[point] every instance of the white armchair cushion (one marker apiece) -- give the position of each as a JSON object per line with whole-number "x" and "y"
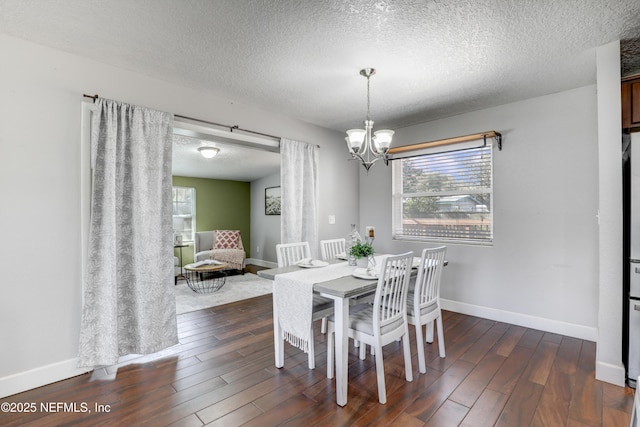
{"x": 221, "y": 245}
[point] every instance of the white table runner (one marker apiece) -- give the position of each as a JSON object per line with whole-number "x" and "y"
{"x": 293, "y": 296}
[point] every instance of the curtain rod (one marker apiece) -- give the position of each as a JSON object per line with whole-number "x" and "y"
{"x": 231, "y": 128}
{"x": 456, "y": 140}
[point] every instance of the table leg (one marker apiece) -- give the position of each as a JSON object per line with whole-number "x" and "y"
{"x": 341, "y": 307}
{"x": 278, "y": 342}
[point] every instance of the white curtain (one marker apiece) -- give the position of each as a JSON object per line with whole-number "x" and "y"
{"x": 299, "y": 189}
{"x": 129, "y": 302}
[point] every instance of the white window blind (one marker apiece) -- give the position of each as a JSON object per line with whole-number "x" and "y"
{"x": 444, "y": 197}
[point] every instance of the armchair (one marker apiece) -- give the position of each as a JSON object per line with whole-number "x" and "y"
{"x": 221, "y": 245}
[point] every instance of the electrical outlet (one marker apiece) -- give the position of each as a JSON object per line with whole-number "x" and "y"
{"x": 258, "y": 249}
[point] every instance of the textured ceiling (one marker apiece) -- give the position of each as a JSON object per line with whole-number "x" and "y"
{"x": 233, "y": 162}
{"x": 302, "y": 57}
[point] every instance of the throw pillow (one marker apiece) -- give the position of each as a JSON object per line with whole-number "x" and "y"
{"x": 226, "y": 239}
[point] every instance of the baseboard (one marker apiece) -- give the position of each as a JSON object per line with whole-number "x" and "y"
{"x": 540, "y": 323}
{"x": 261, "y": 263}
{"x": 609, "y": 373}
{"x": 38, "y": 377}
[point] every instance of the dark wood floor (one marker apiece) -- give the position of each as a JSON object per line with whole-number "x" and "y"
{"x": 222, "y": 373}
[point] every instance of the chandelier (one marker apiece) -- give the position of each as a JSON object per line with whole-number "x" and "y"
{"x": 361, "y": 144}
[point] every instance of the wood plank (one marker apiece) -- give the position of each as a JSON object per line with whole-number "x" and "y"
{"x": 553, "y": 408}
{"x": 406, "y": 420}
{"x": 506, "y": 379}
{"x": 618, "y": 398}
{"x": 238, "y": 417}
{"x": 522, "y": 404}
{"x": 474, "y": 384}
{"x": 586, "y": 401}
{"x": 541, "y": 362}
{"x": 568, "y": 354}
{"x": 486, "y": 410}
{"x": 190, "y": 421}
{"x": 448, "y": 414}
{"x": 531, "y": 338}
{"x": 430, "y": 400}
{"x": 509, "y": 340}
{"x": 482, "y": 347}
{"x": 397, "y": 402}
{"x": 286, "y": 411}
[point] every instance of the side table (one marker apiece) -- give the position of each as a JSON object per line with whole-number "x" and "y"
{"x": 208, "y": 276}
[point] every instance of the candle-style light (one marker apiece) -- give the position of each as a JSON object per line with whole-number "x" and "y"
{"x": 361, "y": 144}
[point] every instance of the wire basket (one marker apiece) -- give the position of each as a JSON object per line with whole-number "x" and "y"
{"x": 205, "y": 282}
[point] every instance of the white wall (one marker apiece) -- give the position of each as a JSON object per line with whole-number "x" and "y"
{"x": 265, "y": 229}
{"x": 40, "y": 102}
{"x": 542, "y": 270}
{"x": 336, "y": 172}
{"x": 609, "y": 354}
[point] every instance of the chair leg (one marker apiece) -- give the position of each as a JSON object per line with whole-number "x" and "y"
{"x": 363, "y": 351}
{"x": 408, "y": 369}
{"x": 382, "y": 388}
{"x": 330, "y": 351}
{"x": 422, "y": 365}
{"x": 430, "y": 332}
{"x": 440, "y": 336}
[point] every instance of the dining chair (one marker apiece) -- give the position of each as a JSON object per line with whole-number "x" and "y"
{"x": 330, "y": 249}
{"x": 289, "y": 254}
{"x": 383, "y": 322}
{"x": 423, "y": 301}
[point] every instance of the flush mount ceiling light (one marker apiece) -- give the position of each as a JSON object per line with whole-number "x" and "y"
{"x": 208, "y": 151}
{"x": 361, "y": 145}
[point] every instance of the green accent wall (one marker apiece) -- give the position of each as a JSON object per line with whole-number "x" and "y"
{"x": 220, "y": 205}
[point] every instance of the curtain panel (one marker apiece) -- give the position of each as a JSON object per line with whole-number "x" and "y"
{"x": 299, "y": 190}
{"x": 129, "y": 303}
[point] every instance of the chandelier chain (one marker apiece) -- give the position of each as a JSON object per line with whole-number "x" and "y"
{"x": 368, "y": 98}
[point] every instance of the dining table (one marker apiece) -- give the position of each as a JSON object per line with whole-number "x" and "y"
{"x": 341, "y": 290}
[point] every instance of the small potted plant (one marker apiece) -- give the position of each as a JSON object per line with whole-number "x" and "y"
{"x": 361, "y": 252}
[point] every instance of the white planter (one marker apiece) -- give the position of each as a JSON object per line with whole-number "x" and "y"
{"x": 362, "y": 262}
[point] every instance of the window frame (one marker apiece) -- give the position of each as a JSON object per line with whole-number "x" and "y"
{"x": 193, "y": 209}
{"x": 398, "y": 196}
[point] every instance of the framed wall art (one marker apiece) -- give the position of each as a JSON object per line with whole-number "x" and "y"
{"x": 272, "y": 201}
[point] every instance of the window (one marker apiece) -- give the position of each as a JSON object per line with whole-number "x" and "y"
{"x": 184, "y": 213}
{"x": 445, "y": 197}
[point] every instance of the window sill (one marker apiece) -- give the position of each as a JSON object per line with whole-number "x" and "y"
{"x": 443, "y": 241}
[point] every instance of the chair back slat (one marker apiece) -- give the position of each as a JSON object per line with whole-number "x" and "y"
{"x": 330, "y": 249}
{"x": 429, "y": 273}
{"x": 390, "y": 302}
{"x": 290, "y": 253}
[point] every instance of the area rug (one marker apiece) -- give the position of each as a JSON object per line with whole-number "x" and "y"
{"x": 235, "y": 289}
